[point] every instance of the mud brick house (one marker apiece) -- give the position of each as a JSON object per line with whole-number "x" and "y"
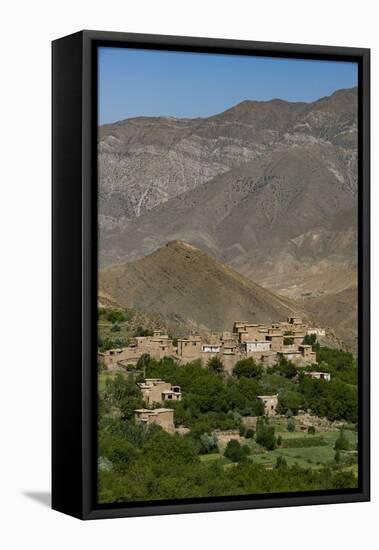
{"x": 155, "y": 390}
{"x": 319, "y": 375}
{"x": 163, "y": 417}
{"x": 270, "y": 402}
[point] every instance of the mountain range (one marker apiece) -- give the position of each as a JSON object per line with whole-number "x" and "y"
{"x": 267, "y": 188}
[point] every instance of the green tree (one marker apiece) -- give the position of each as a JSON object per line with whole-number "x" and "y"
{"x": 214, "y": 364}
{"x": 281, "y": 462}
{"x": 265, "y": 434}
{"x": 342, "y": 443}
{"x": 336, "y": 400}
{"x": 286, "y": 368}
{"x": 289, "y": 400}
{"x": 143, "y": 361}
{"x": 115, "y": 316}
{"x": 140, "y": 331}
{"x": 311, "y": 430}
{"x": 309, "y": 339}
{"x": 242, "y": 430}
{"x": 291, "y": 424}
{"x": 208, "y": 443}
{"x": 236, "y": 452}
{"x": 247, "y": 368}
{"x": 115, "y": 327}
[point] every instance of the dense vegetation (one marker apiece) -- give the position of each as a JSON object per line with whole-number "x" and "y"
{"x": 144, "y": 462}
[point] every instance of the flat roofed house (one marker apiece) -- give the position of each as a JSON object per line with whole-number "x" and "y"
{"x": 237, "y": 325}
{"x": 162, "y": 417}
{"x": 173, "y": 394}
{"x": 249, "y": 332}
{"x": 319, "y": 375}
{"x": 158, "y": 346}
{"x": 114, "y": 358}
{"x": 294, "y": 320}
{"x": 270, "y": 402}
{"x": 290, "y": 354}
{"x": 317, "y": 331}
{"x": 308, "y": 354}
{"x": 155, "y": 390}
{"x": 258, "y": 345}
{"x": 276, "y": 341}
{"x": 208, "y": 348}
{"x": 189, "y": 348}
{"x": 269, "y": 358}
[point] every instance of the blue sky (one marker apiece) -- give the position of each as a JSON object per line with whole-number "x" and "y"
{"x": 159, "y": 83}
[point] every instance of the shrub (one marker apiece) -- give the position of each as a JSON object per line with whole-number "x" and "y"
{"x": 309, "y": 339}
{"x": 208, "y": 443}
{"x": 247, "y": 368}
{"x": 265, "y": 435}
{"x": 286, "y": 368}
{"x": 115, "y": 327}
{"x": 215, "y": 364}
{"x": 236, "y": 452}
{"x": 140, "y": 331}
{"x": 143, "y": 361}
{"x": 109, "y": 343}
{"x": 281, "y": 462}
{"x": 242, "y": 430}
{"x": 115, "y": 316}
{"x": 342, "y": 443}
{"x": 291, "y": 424}
{"x": 311, "y": 430}
{"x": 249, "y": 434}
{"x": 101, "y": 367}
{"x": 289, "y": 400}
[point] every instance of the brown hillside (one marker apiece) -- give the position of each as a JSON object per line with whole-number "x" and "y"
{"x": 185, "y": 285}
{"x": 339, "y": 311}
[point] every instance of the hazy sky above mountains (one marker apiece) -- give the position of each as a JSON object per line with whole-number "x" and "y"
{"x": 158, "y": 83}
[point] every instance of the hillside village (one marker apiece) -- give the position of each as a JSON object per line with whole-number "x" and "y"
{"x": 227, "y": 302}
{"x": 265, "y": 402}
{"x": 266, "y": 344}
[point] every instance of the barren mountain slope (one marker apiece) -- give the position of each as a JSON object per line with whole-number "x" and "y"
{"x": 339, "y": 311}
{"x": 269, "y": 188}
{"x": 186, "y": 285}
{"x": 274, "y": 221}
{"x": 143, "y": 162}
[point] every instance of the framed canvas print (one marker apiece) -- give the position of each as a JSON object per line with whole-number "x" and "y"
{"x": 210, "y": 275}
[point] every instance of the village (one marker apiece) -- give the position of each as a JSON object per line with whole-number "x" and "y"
{"x": 266, "y": 344}
{"x": 262, "y": 394}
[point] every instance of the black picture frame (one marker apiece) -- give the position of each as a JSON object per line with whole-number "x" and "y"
{"x": 74, "y": 272}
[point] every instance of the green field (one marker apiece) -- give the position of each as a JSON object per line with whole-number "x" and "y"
{"x": 310, "y": 457}
{"x": 307, "y": 457}
{"x": 315, "y": 457}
